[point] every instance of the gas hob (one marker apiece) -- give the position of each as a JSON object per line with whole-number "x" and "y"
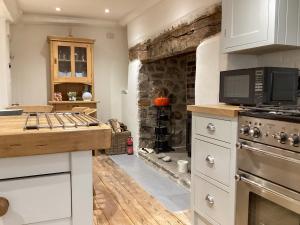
{"x": 282, "y": 113}
{"x": 277, "y": 126}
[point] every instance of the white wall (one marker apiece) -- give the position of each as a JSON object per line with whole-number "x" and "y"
{"x": 210, "y": 61}
{"x": 130, "y": 117}
{"x": 207, "y": 71}
{"x": 163, "y": 16}
{"x": 31, "y": 71}
{"x": 5, "y": 86}
{"x": 289, "y": 58}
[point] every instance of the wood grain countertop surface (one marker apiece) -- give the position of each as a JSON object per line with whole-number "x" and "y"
{"x": 216, "y": 110}
{"x": 15, "y": 141}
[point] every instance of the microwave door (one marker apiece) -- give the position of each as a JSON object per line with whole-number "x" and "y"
{"x": 282, "y": 88}
{"x": 237, "y": 87}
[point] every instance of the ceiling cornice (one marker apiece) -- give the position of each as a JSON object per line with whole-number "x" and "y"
{"x": 44, "y": 19}
{"x": 11, "y": 10}
{"x": 138, "y": 11}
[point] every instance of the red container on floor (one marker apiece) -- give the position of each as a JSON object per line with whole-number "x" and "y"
{"x": 130, "y": 146}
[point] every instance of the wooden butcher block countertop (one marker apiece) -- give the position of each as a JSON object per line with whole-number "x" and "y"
{"x": 216, "y": 110}
{"x": 15, "y": 141}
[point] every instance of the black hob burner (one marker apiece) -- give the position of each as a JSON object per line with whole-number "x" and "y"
{"x": 290, "y": 113}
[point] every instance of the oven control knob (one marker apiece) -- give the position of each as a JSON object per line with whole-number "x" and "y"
{"x": 294, "y": 140}
{"x": 281, "y": 137}
{"x": 245, "y": 130}
{"x": 254, "y": 132}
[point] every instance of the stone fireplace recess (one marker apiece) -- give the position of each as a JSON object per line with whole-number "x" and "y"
{"x": 174, "y": 78}
{"x": 168, "y": 70}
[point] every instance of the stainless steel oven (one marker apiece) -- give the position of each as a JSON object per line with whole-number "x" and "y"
{"x": 268, "y": 178}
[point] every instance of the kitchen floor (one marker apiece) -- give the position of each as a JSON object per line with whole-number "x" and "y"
{"x": 171, "y": 168}
{"x": 121, "y": 200}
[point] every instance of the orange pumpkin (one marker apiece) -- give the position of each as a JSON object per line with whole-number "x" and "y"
{"x": 161, "y": 101}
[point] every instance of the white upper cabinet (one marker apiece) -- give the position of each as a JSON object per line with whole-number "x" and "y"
{"x": 253, "y": 25}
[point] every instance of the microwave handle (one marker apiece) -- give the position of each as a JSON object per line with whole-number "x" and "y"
{"x": 280, "y": 197}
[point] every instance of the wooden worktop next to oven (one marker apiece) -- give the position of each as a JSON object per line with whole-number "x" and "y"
{"x": 216, "y": 110}
{"x": 15, "y": 141}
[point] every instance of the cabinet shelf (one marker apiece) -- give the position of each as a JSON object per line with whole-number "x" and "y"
{"x": 64, "y": 60}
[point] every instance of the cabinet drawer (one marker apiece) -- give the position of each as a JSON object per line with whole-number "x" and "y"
{"x": 212, "y": 161}
{"x": 37, "y": 199}
{"x": 70, "y": 106}
{"x": 211, "y": 201}
{"x": 213, "y": 128}
{"x": 34, "y": 165}
{"x": 67, "y": 221}
{"x": 199, "y": 220}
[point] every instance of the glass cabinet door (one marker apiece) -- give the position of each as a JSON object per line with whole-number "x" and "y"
{"x": 64, "y": 66}
{"x": 81, "y": 67}
{"x": 72, "y": 62}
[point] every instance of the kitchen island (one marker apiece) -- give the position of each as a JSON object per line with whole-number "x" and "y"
{"x": 46, "y": 172}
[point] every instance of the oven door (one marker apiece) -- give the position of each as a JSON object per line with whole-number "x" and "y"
{"x": 260, "y": 202}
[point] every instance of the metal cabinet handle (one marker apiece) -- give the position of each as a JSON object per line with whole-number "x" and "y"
{"x": 209, "y": 159}
{"x": 282, "y": 195}
{"x": 4, "y": 205}
{"x": 210, "y": 200}
{"x": 211, "y": 127}
{"x": 250, "y": 148}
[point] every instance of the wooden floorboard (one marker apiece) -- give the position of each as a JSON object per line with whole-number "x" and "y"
{"x": 119, "y": 200}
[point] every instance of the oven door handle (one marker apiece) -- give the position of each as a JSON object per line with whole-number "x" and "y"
{"x": 257, "y": 185}
{"x": 278, "y": 197}
{"x": 253, "y": 149}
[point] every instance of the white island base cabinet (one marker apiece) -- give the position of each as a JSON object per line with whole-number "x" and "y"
{"x": 51, "y": 189}
{"x": 213, "y": 169}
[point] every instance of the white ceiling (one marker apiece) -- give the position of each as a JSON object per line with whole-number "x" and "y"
{"x": 120, "y": 10}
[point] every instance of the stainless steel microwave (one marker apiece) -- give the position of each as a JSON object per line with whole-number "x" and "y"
{"x": 254, "y": 86}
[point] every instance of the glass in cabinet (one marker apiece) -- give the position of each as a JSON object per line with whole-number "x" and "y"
{"x": 81, "y": 62}
{"x": 64, "y": 61}
{"x": 72, "y": 62}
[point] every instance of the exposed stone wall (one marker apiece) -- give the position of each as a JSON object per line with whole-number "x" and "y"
{"x": 179, "y": 40}
{"x": 172, "y": 77}
{"x": 190, "y": 78}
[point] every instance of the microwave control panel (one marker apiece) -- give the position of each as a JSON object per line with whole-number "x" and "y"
{"x": 259, "y": 85}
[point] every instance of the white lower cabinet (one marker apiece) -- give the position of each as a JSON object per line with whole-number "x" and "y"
{"x": 211, "y": 201}
{"x": 36, "y": 200}
{"x": 213, "y": 170}
{"x": 212, "y": 161}
{"x": 47, "y": 189}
